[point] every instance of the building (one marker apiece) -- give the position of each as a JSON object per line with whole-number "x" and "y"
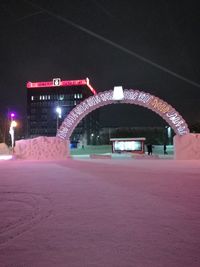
{"x": 48, "y": 104}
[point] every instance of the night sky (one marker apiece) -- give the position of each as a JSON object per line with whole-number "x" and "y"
{"x": 147, "y": 45}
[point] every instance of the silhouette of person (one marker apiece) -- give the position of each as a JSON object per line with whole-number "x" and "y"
{"x": 165, "y": 149}
{"x": 149, "y": 149}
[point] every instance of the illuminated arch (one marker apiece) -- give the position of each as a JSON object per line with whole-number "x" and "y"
{"x": 131, "y": 96}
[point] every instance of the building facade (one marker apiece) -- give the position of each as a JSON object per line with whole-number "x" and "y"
{"x": 48, "y": 104}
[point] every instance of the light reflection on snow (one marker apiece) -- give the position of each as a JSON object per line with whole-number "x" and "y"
{"x": 5, "y": 157}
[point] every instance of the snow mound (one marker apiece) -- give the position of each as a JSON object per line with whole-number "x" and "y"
{"x": 187, "y": 146}
{"x": 4, "y": 150}
{"x": 42, "y": 148}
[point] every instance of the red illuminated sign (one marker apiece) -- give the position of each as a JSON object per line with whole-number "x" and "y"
{"x": 57, "y": 82}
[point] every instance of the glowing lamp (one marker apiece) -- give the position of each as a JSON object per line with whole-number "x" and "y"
{"x": 13, "y": 124}
{"x": 118, "y": 93}
{"x": 169, "y": 132}
{"x": 59, "y": 111}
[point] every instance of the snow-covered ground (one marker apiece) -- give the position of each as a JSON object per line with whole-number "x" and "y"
{"x": 100, "y": 212}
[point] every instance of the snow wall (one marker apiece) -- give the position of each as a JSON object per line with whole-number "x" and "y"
{"x": 4, "y": 149}
{"x": 42, "y": 148}
{"x": 187, "y": 146}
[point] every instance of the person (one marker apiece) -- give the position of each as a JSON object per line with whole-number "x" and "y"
{"x": 165, "y": 149}
{"x": 149, "y": 149}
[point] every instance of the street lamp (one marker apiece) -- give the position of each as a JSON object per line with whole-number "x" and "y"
{"x": 13, "y": 124}
{"x": 59, "y": 116}
{"x": 168, "y": 134}
{"x": 12, "y": 115}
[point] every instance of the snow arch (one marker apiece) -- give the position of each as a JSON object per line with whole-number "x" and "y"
{"x": 131, "y": 96}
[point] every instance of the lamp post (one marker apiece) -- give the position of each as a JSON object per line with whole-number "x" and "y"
{"x": 92, "y": 139}
{"x": 169, "y": 135}
{"x": 59, "y": 116}
{"x": 13, "y": 124}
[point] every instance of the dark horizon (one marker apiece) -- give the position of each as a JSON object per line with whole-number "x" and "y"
{"x": 146, "y": 46}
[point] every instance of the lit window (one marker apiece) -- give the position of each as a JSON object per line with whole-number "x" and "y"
{"x": 49, "y": 97}
{"x": 75, "y": 103}
{"x": 43, "y": 97}
{"x": 32, "y": 97}
{"x": 75, "y": 96}
{"x": 40, "y": 97}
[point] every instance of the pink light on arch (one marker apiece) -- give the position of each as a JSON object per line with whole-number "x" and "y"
{"x": 57, "y": 83}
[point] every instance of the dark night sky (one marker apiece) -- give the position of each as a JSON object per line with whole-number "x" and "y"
{"x": 39, "y": 42}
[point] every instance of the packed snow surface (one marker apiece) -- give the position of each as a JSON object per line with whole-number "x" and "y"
{"x": 100, "y": 212}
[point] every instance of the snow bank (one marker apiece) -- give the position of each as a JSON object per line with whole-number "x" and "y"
{"x": 4, "y": 149}
{"x": 42, "y": 148}
{"x": 187, "y": 146}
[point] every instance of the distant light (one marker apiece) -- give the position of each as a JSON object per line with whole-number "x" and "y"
{"x": 118, "y": 93}
{"x": 13, "y": 124}
{"x": 92, "y": 134}
{"x": 59, "y": 112}
{"x": 12, "y": 115}
{"x": 169, "y": 132}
